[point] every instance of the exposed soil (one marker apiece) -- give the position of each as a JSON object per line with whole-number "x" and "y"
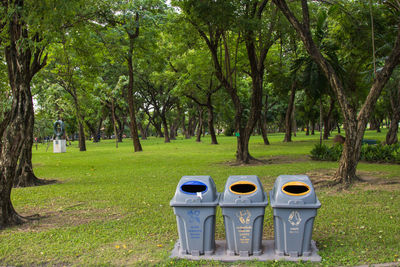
{"x": 73, "y": 215}
{"x": 270, "y": 160}
{"x": 370, "y": 180}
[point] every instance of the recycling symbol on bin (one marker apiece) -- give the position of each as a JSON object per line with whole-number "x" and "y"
{"x": 244, "y": 216}
{"x": 294, "y": 218}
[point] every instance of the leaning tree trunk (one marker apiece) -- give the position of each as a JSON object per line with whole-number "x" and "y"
{"x": 289, "y": 113}
{"x": 354, "y": 123}
{"x": 263, "y": 121}
{"x": 391, "y": 136}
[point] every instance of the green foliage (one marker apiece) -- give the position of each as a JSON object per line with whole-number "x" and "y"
{"x": 381, "y": 153}
{"x": 371, "y": 153}
{"x": 324, "y": 152}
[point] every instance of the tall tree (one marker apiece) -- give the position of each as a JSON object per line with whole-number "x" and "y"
{"x": 354, "y": 122}
{"x": 24, "y": 60}
{"x": 216, "y": 22}
{"x": 126, "y": 22}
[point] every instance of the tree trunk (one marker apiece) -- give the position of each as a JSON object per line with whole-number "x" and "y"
{"x": 327, "y": 120}
{"x": 354, "y": 123}
{"x": 210, "y": 110}
{"x": 263, "y": 129}
{"x": 114, "y": 122}
{"x": 289, "y": 113}
{"x": 308, "y": 128}
{"x": 25, "y": 176}
{"x": 82, "y": 142}
{"x": 263, "y": 121}
{"x": 346, "y": 173}
{"x": 121, "y": 126}
{"x": 165, "y": 127}
{"x": 391, "y": 136}
{"x": 200, "y": 125}
{"x": 129, "y": 94}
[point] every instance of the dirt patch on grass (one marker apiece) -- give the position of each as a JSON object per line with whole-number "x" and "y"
{"x": 368, "y": 180}
{"x": 270, "y": 160}
{"x": 73, "y": 215}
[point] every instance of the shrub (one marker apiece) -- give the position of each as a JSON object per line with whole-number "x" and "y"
{"x": 323, "y": 152}
{"x": 371, "y": 153}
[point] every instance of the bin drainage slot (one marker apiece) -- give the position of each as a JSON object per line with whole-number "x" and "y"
{"x": 193, "y": 187}
{"x": 296, "y": 188}
{"x": 243, "y": 188}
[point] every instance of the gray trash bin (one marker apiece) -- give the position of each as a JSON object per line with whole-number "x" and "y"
{"x": 243, "y": 207}
{"x": 295, "y": 205}
{"x": 194, "y": 205}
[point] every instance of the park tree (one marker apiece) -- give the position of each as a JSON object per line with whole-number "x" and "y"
{"x": 224, "y": 25}
{"x": 26, "y": 28}
{"x": 393, "y": 89}
{"x": 354, "y": 122}
{"x": 125, "y": 26}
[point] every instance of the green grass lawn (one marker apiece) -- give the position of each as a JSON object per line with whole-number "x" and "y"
{"x": 111, "y": 206}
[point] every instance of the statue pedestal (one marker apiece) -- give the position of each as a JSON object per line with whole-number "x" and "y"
{"x": 59, "y": 146}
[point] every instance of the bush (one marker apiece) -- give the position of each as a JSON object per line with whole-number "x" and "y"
{"x": 323, "y": 152}
{"x": 371, "y": 153}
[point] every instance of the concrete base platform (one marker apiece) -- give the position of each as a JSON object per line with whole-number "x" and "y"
{"x": 268, "y": 254}
{"x": 59, "y": 146}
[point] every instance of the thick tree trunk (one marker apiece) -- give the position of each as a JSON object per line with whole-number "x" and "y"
{"x": 200, "y": 125}
{"x": 308, "y": 128}
{"x": 25, "y": 176}
{"x": 289, "y": 113}
{"x": 346, "y": 173}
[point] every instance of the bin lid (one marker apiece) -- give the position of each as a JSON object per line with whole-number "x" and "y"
{"x": 242, "y": 191}
{"x": 293, "y": 191}
{"x": 195, "y": 191}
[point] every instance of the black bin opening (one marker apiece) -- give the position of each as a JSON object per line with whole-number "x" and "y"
{"x": 193, "y": 188}
{"x": 243, "y": 188}
{"x": 296, "y": 189}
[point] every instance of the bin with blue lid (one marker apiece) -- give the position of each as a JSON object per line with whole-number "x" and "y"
{"x": 194, "y": 204}
{"x": 243, "y": 207}
{"x": 295, "y": 205}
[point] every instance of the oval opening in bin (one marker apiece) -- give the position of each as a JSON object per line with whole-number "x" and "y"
{"x": 296, "y": 189}
{"x": 193, "y": 187}
{"x": 243, "y": 188}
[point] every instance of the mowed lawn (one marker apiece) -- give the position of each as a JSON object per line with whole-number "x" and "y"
{"x": 111, "y": 206}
